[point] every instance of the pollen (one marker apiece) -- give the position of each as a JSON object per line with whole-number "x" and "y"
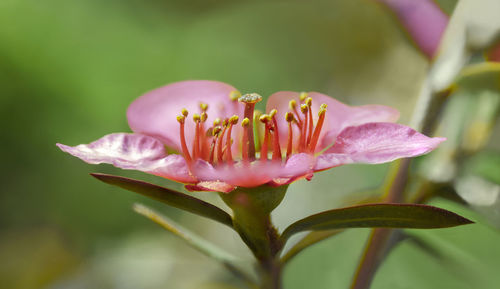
{"x": 303, "y": 108}
{"x": 303, "y": 96}
{"x": 216, "y": 130}
{"x": 203, "y": 106}
{"x": 309, "y": 101}
{"x": 234, "y": 119}
{"x": 234, "y": 95}
{"x": 245, "y": 122}
{"x": 272, "y": 113}
{"x": 260, "y": 132}
{"x": 250, "y": 98}
{"x": 203, "y": 116}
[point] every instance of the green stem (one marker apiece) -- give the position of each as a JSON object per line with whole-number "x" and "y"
{"x": 379, "y": 243}
{"x": 252, "y": 209}
{"x": 270, "y": 272}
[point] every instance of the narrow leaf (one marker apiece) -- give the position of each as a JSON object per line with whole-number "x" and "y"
{"x": 195, "y": 241}
{"x": 169, "y": 197}
{"x": 378, "y": 216}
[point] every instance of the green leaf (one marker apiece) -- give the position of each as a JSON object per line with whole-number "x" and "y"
{"x": 378, "y": 216}
{"x": 169, "y": 197}
{"x": 195, "y": 241}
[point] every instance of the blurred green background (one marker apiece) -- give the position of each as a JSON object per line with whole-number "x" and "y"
{"x": 68, "y": 71}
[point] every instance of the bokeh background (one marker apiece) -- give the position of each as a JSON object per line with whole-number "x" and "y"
{"x": 68, "y": 71}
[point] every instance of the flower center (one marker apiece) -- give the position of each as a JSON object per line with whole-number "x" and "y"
{"x": 214, "y": 144}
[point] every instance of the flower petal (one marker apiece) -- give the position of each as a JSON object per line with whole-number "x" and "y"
{"x": 424, "y": 21}
{"x": 211, "y": 186}
{"x": 133, "y": 152}
{"x": 338, "y": 115}
{"x": 155, "y": 112}
{"x": 376, "y": 143}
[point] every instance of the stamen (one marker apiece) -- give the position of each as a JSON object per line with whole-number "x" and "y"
{"x": 232, "y": 121}
{"x": 257, "y": 131}
{"x": 204, "y": 143}
{"x": 293, "y": 107}
{"x": 203, "y": 106}
{"x": 303, "y": 132}
{"x": 184, "y": 112}
{"x": 196, "y": 141}
{"x": 215, "y": 134}
{"x": 317, "y": 129}
{"x": 303, "y": 96}
{"x": 250, "y": 100}
{"x": 289, "y": 147}
{"x": 276, "y": 138}
{"x": 245, "y": 123}
{"x": 263, "y": 149}
{"x": 310, "y": 128}
{"x": 182, "y": 119}
{"x": 221, "y": 140}
{"x": 234, "y": 95}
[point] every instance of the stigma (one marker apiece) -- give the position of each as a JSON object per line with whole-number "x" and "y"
{"x": 259, "y": 136}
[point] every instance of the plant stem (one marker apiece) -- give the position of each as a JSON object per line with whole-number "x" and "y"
{"x": 252, "y": 209}
{"x": 271, "y": 277}
{"x": 379, "y": 242}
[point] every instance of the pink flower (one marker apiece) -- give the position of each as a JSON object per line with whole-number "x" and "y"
{"x": 424, "y": 21}
{"x": 220, "y": 146}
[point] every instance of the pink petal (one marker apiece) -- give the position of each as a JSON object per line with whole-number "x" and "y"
{"x": 133, "y": 152}
{"x": 211, "y": 186}
{"x": 155, "y": 112}
{"x": 424, "y": 21}
{"x": 376, "y": 143}
{"x": 338, "y": 117}
{"x": 254, "y": 174}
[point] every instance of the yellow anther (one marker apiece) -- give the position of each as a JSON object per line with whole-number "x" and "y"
{"x": 234, "y": 119}
{"x": 184, "y": 112}
{"x": 181, "y": 119}
{"x": 203, "y": 106}
{"x": 292, "y": 104}
{"x": 217, "y": 121}
{"x": 250, "y": 98}
{"x": 322, "y": 109}
{"x": 303, "y": 96}
{"x": 216, "y": 131}
{"x": 303, "y": 108}
{"x": 234, "y": 95}
{"x": 273, "y": 112}
{"x": 225, "y": 122}
{"x": 203, "y": 116}
{"x": 309, "y": 101}
{"x": 196, "y": 117}
{"x": 289, "y": 117}
{"x": 245, "y": 122}
{"x": 264, "y": 118}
